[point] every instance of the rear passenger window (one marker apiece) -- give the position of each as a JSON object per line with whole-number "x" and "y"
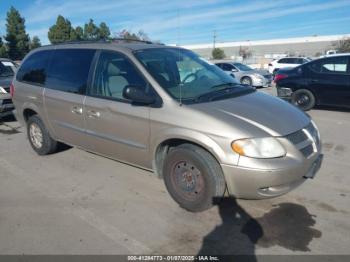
{"x": 34, "y": 68}
{"x": 337, "y": 65}
{"x": 113, "y": 73}
{"x": 69, "y": 70}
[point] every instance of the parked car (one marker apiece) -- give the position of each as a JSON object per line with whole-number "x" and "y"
{"x": 200, "y": 131}
{"x": 7, "y": 71}
{"x": 277, "y": 64}
{"x": 325, "y": 81}
{"x": 245, "y": 74}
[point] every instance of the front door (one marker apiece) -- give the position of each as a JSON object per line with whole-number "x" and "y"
{"x": 115, "y": 127}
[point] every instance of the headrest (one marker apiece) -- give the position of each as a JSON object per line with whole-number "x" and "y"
{"x": 113, "y": 70}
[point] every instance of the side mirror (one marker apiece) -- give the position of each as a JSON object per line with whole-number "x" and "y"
{"x": 234, "y": 70}
{"x": 138, "y": 95}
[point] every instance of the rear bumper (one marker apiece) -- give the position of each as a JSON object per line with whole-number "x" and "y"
{"x": 253, "y": 183}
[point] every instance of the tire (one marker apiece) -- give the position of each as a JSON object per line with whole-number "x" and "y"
{"x": 36, "y": 130}
{"x": 304, "y": 99}
{"x": 246, "y": 81}
{"x": 193, "y": 177}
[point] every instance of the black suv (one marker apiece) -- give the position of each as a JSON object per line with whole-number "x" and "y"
{"x": 324, "y": 81}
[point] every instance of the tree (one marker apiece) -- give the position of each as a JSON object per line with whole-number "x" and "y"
{"x": 91, "y": 31}
{"x": 79, "y": 32}
{"x": 104, "y": 32}
{"x": 16, "y": 36}
{"x": 3, "y": 50}
{"x": 129, "y": 35}
{"x": 218, "y": 53}
{"x": 343, "y": 45}
{"x": 244, "y": 52}
{"x": 35, "y": 43}
{"x": 61, "y": 32}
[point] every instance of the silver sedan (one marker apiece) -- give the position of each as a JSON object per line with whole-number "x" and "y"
{"x": 245, "y": 74}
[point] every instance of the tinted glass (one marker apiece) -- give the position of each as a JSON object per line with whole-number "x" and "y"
{"x": 337, "y": 65}
{"x": 34, "y": 68}
{"x": 69, "y": 70}
{"x": 227, "y": 67}
{"x": 6, "y": 68}
{"x": 243, "y": 67}
{"x": 113, "y": 73}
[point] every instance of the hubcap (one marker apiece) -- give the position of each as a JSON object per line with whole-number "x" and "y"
{"x": 188, "y": 180}
{"x": 36, "y": 136}
{"x": 302, "y": 100}
{"x": 246, "y": 81}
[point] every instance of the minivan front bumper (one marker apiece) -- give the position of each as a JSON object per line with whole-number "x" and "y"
{"x": 255, "y": 183}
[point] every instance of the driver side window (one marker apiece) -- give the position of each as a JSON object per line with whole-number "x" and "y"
{"x": 113, "y": 73}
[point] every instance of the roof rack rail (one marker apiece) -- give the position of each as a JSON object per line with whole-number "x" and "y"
{"x": 112, "y": 40}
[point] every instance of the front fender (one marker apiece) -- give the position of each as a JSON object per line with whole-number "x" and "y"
{"x": 192, "y": 136}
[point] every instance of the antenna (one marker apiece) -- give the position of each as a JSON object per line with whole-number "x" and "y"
{"x": 214, "y": 39}
{"x": 179, "y": 50}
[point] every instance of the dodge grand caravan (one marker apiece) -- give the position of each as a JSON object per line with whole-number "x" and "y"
{"x": 168, "y": 110}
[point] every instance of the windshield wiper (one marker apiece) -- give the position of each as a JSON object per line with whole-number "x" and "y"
{"x": 224, "y": 84}
{"x": 214, "y": 93}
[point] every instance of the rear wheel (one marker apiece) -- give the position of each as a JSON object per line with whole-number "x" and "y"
{"x": 193, "y": 177}
{"x": 304, "y": 99}
{"x": 39, "y": 137}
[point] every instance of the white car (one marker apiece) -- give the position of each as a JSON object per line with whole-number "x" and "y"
{"x": 286, "y": 62}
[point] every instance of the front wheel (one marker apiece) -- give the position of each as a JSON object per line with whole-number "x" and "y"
{"x": 304, "y": 99}
{"x": 193, "y": 177}
{"x": 246, "y": 81}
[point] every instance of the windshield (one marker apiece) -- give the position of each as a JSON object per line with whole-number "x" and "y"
{"x": 183, "y": 74}
{"x": 6, "y": 69}
{"x": 242, "y": 67}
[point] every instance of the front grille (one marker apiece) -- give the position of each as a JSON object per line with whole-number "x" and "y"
{"x": 7, "y": 102}
{"x": 297, "y": 137}
{"x": 307, "y": 151}
{"x": 306, "y": 140}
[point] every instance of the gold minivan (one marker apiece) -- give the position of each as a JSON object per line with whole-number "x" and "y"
{"x": 168, "y": 110}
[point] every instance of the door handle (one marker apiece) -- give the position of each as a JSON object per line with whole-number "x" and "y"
{"x": 94, "y": 114}
{"x": 77, "y": 110}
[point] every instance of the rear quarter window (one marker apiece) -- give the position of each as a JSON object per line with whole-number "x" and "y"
{"x": 34, "y": 68}
{"x": 69, "y": 70}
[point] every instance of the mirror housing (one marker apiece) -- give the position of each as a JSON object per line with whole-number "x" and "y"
{"x": 234, "y": 70}
{"x": 137, "y": 95}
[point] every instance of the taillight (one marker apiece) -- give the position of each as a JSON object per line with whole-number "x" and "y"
{"x": 12, "y": 90}
{"x": 279, "y": 77}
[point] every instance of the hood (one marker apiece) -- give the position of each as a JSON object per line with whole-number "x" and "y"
{"x": 257, "y": 110}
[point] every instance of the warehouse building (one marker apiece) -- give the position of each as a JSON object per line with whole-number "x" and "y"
{"x": 261, "y": 52}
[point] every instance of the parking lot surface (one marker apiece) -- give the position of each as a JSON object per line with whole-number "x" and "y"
{"x": 75, "y": 202}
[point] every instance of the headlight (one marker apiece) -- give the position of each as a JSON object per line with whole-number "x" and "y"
{"x": 267, "y": 147}
{"x": 258, "y": 76}
{"x": 2, "y": 90}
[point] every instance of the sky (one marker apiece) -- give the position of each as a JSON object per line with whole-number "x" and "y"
{"x": 190, "y": 21}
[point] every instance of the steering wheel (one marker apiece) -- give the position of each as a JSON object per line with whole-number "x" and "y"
{"x": 188, "y": 76}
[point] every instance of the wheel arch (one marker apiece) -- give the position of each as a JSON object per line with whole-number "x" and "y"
{"x": 163, "y": 145}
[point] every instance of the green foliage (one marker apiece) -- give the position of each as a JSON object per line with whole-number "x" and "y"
{"x": 91, "y": 31}
{"x": 3, "y": 49}
{"x": 16, "y": 36}
{"x": 62, "y": 31}
{"x": 35, "y": 43}
{"x": 218, "y": 53}
{"x": 343, "y": 46}
{"x": 126, "y": 34}
{"x": 79, "y": 33}
{"x": 104, "y": 32}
